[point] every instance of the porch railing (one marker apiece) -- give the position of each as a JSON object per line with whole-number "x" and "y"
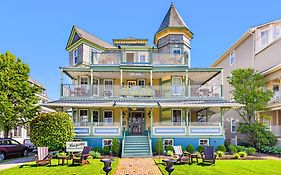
{"x": 276, "y": 130}
{"x": 98, "y": 128}
{"x": 168, "y": 59}
{"x": 276, "y": 97}
{"x": 86, "y": 90}
{"x": 96, "y": 123}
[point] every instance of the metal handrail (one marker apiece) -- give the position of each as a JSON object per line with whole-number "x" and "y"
{"x": 123, "y": 142}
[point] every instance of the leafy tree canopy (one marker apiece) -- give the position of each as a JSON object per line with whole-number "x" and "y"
{"x": 17, "y": 96}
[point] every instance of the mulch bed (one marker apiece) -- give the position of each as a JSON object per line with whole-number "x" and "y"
{"x": 249, "y": 157}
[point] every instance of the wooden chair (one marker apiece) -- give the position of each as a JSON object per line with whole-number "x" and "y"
{"x": 83, "y": 158}
{"x": 43, "y": 157}
{"x": 180, "y": 157}
{"x": 209, "y": 155}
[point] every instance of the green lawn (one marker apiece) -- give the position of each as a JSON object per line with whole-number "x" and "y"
{"x": 229, "y": 167}
{"x": 94, "y": 167}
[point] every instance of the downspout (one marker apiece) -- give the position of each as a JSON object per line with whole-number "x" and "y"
{"x": 254, "y": 49}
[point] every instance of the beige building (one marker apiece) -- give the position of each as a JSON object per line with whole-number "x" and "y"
{"x": 258, "y": 48}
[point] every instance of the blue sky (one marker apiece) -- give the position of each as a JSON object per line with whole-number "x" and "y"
{"x": 37, "y": 31}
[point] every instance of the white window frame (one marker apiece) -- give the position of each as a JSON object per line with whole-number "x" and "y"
{"x": 111, "y": 88}
{"x": 84, "y": 77}
{"x": 274, "y": 31}
{"x": 73, "y": 56}
{"x": 176, "y": 48}
{"x": 164, "y": 145}
{"x": 232, "y": 55}
{"x": 92, "y": 118}
{"x": 98, "y": 89}
{"x": 261, "y": 42}
{"x": 208, "y": 142}
{"x": 231, "y": 125}
{"x": 106, "y": 140}
{"x": 134, "y": 56}
{"x": 105, "y": 123}
{"x": 79, "y": 116}
{"x": 146, "y": 57}
{"x": 173, "y": 114}
{"x": 173, "y": 91}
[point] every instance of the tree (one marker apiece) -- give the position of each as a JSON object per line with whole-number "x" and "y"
{"x": 249, "y": 90}
{"x": 116, "y": 146}
{"x": 52, "y": 129}
{"x": 158, "y": 147}
{"x": 17, "y": 96}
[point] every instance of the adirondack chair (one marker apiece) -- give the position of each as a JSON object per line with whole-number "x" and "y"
{"x": 180, "y": 157}
{"x": 83, "y": 158}
{"x": 209, "y": 155}
{"x": 43, "y": 157}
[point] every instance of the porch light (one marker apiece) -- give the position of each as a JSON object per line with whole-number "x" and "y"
{"x": 134, "y": 108}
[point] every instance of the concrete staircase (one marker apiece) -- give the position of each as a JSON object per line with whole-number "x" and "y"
{"x": 136, "y": 146}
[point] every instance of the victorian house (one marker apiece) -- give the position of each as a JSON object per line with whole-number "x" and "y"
{"x": 139, "y": 93}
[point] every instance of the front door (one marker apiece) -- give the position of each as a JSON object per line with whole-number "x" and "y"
{"x": 136, "y": 123}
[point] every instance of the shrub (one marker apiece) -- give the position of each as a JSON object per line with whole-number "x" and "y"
{"x": 251, "y": 151}
{"x": 236, "y": 156}
{"x": 62, "y": 153}
{"x": 226, "y": 143}
{"x": 158, "y": 147}
{"x": 95, "y": 154}
{"x": 97, "y": 149}
{"x": 220, "y": 153}
{"x": 242, "y": 154}
{"x": 200, "y": 148}
{"x": 232, "y": 149}
{"x": 268, "y": 149}
{"x": 115, "y": 146}
{"x": 241, "y": 149}
{"x": 170, "y": 153}
{"x": 190, "y": 148}
{"x": 52, "y": 129}
{"x": 169, "y": 148}
{"x": 105, "y": 150}
{"x": 221, "y": 148}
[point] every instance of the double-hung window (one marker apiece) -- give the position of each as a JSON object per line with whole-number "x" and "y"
{"x": 168, "y": 142}
{"x": 264, "y": 37}
{"x": 106, "y": 143}
{"x": 107, "y": 117}
{"x": 177, "y": 117}
{"x": 204, "y": 142}
{"x": 232, "y": 57}
{"x": 75, "y": 56}
{"x": 233, "y": 126}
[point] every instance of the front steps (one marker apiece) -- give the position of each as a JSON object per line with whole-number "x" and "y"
{"x": 136, "y": 146}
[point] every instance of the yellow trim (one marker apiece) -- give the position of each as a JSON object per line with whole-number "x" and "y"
{"x": 169, "y": 31}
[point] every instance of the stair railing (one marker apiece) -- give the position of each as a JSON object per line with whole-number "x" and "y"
{"x": 149, "y": 139}
{"x": 123, "y": 142}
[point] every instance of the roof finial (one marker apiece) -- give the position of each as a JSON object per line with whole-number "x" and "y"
{"x": 172, "y": 4}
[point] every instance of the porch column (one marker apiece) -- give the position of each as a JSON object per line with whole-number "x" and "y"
{"x": 222, "y": 111}
{"x": 187, "y": 116}
{"x": 61, "y": 84}
{"x": 121, "y": 121}
{"x": 222, "y": 83}
{"x": 186, "y": 84}
{"x": 121, "y": 77}
{"x": 151, "y": 120}
{"x": 91, "y": 83}
{"x": 277, "y": 118}
{"x": 151, "y": 78}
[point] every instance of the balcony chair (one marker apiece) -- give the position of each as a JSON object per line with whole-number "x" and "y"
{"x": 209, "y": 155}
{"x": 43, "y": 157}
{"x": 82, "y": 159}
{"x": 180, "y": 157}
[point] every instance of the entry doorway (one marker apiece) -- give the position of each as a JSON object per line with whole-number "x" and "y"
{"x": 136, "y": 123}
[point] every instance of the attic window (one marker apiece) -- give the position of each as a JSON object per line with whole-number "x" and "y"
{"x": 176, "y": 50}
{"x": 75, "y": 56}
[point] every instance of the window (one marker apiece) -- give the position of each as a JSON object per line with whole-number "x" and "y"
{"x": 108, "y": 88}
{"x": 83, "y": 116}
{"x": 130, "y": 57}
{"x": 232, "y": 57}
{"x": 106, "y": 142}
{"x": 176, "y": 50}
{"x": 275, "y": 88}
{"x": 95, "y": 86}
{"x": 233, "y": 126}
{"x": 276, "y": 32}
{"x": 168, "y": 142}
{"x": 17, "y": 131}
{"x": 176, "y": 86}
{"x": 264, "y": 37}
{"x": 141, "y": 82}
{"x": 142, "y": 58}
{"x": 95, "y": 116}
{"x": 204, "y": 142}
{"x": 84, "y": 80}
{"x": 75, "y": 56}
{"x": 107, "y": 117}
{"x": 177, "y": 117}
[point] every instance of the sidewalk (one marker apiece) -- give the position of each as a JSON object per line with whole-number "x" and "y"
{"x": 137, "y": 166}
{"x": 16, "y": 162}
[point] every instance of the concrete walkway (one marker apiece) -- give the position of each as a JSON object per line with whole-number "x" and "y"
{"x": 16, "y": 162}
{"x": 137, "y": 166}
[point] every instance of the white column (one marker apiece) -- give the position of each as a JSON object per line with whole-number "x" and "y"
{"x": 121, "y": 77}
{"x": 151, "y": 78}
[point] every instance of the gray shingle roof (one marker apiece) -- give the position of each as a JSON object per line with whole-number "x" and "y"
{"x": 172, "y": 19}
{"x": 92, "y": 38}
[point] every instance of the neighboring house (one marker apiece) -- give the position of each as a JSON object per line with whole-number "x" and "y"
{"x": 258, "y": 48}
{"x": 21, "y": 133}
{"x": 139, "y": 93}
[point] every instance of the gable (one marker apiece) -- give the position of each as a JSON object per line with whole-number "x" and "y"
{"x": 75, "y": 38}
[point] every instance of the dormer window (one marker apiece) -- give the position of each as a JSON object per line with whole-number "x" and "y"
{"x": 176, "y": 50}
{"x": 264, "y": 37}
{"x": 276, "y": 32}
{"x": 142, "y": 58}
{"x": 75, "y": 56}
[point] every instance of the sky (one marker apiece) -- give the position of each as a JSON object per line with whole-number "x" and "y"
{"x": 37, "y": 31}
